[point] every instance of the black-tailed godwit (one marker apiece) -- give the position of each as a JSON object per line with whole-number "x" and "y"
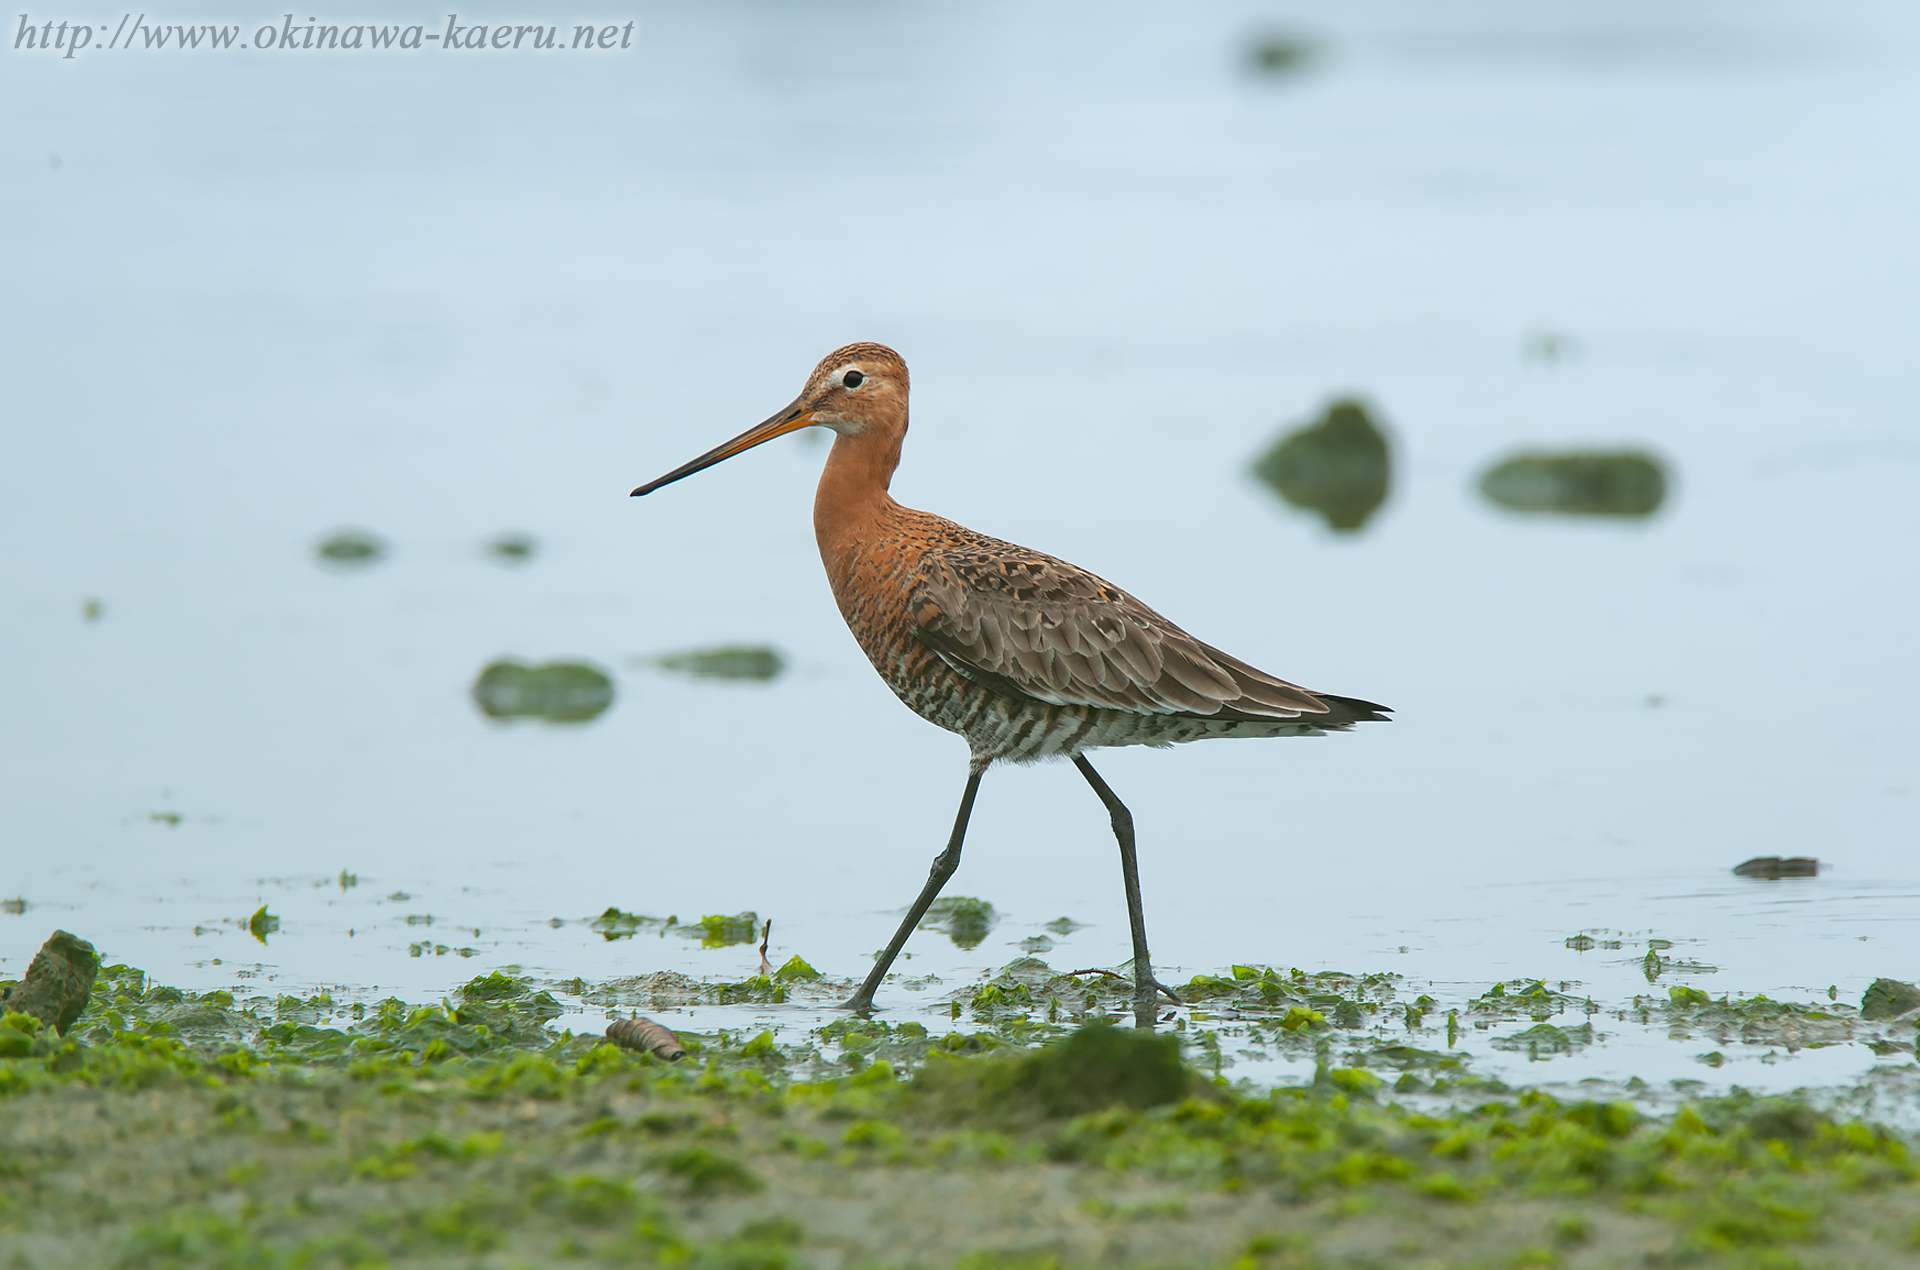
{"x": 1026, "y": 656}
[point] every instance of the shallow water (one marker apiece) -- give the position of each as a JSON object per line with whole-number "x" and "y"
{"x": 446, "y": 299}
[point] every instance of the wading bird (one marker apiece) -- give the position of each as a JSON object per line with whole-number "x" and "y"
{"x": 1026, "y": 656}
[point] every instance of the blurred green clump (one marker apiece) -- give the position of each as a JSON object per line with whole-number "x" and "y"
{"x": 351, "y": 549}
{"x": 1338, "y": 466}
{"x": 512, "y": 548}
{"x": 1597, "y": 483}
{"x": 965, "y": 920}
{"x": 557, "y": 692}
{"x": 1092, "y": 1069}
{"x": 751, "y": 662}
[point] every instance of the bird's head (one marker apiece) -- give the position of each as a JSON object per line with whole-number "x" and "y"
{"x": 858, "y": 389}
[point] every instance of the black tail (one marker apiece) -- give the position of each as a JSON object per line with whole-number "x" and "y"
{"x": 1344, "y": 712}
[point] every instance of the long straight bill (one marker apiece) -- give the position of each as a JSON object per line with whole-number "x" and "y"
{"x": 792, "y": 419}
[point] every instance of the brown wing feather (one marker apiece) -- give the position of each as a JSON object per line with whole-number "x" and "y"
{"x": 1035, "y": 626}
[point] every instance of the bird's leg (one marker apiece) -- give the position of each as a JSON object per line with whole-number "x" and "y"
{"x": 1145, "y": 1003}
{"x": 943, "y": 868}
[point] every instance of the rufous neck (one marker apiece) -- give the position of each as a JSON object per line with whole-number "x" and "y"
{"x": 853, "y": 485}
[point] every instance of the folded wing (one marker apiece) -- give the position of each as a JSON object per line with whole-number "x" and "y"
{"x": 1032, "y": 625}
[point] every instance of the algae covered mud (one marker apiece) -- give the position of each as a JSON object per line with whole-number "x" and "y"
{"x": 169, "y": 1128}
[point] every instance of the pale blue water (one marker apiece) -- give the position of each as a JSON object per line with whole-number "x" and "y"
{"x": 246, "y": 301}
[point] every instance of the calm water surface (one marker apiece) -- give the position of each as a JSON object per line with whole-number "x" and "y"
{"x": 250, "y": 300}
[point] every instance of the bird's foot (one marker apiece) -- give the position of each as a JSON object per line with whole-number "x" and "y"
{"x": 1146, "y": 997}
{"x": 858, "y": 1003}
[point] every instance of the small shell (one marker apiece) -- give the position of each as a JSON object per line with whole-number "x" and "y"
{"x": 646, "y": 1036}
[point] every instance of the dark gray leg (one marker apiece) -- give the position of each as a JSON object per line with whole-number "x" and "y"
{"x": 944, "y": 865}
{"x": 1145, "y": 1003}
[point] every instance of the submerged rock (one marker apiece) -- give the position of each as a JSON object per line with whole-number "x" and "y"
{"x": 58, "y": 982}
{"x": 1338, "y": 466}
{"x": 1598, "y": 483}
{"x": 1773, "y": 867}
{"x": 1889, "y": 999}
{"x": 558, "y": 692}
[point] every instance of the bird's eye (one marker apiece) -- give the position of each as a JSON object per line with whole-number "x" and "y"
{"x": 853, "y": 379}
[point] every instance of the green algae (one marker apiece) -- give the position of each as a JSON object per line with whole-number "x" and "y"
{"x": 351, "y": 549}
{"x": 512, "y": 548}
{"x": 172, "y": 1128}
{"x": 795, "y": 968}
{"x": 1689, "y": 1013}
{"x": 616, "y": 924}
{"x": 556, "y": 692}
{"x": 1279, "y": 54}
{"x": 262, "y": 924}
{"x": 1095, "y": 1068}
{"x": 723, "y": 931}
{"x": 965, "y": 920}
{"x": 1599, "y": 483}
{"x": 1338, "y": 466}
{"x": 1545, "y": 1040}
{"x": 718, "y": 930}
{"x": 705, "y": 1172}
{"x": 744, "y": 662}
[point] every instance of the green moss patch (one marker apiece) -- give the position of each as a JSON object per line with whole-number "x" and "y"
{"x": 169, "y": 1128}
